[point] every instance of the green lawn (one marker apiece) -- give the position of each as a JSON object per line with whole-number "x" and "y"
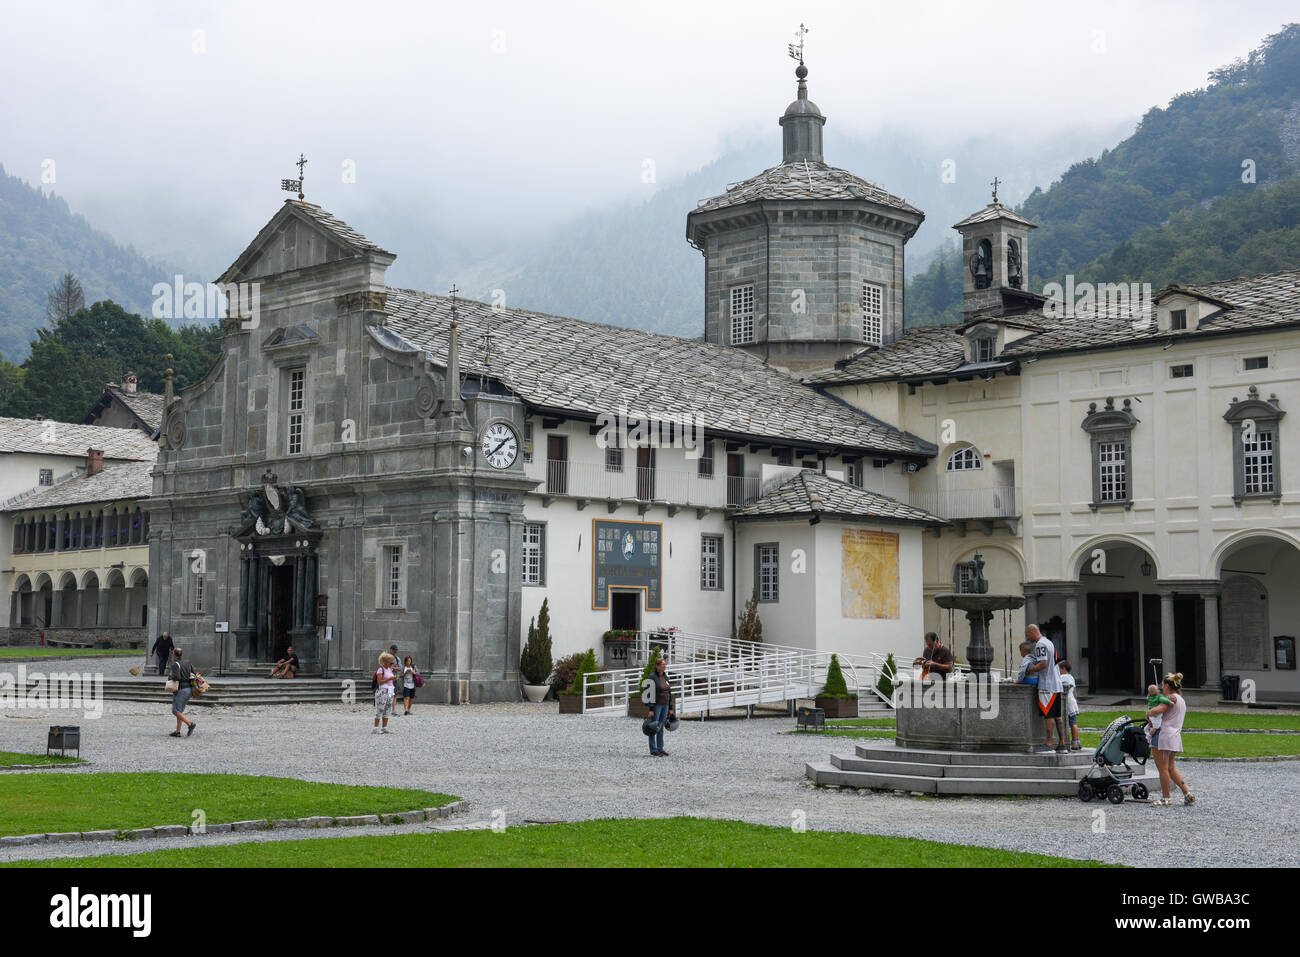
{"x": 8, "y": 758}
{"x": 672, "y": 842}
{"x": 860, "y": 722}
{"x": 1255, "y": 720}
{"x": 20, "y": 654}
{"x": 33, "y": 804}
{"x": 1223, "y": 745}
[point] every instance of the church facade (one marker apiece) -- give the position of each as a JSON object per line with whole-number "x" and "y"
{"x": 368, "y": 466}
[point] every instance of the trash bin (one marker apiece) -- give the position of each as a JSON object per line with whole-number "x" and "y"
{"x": 65, "y": 738}
{"x": 1231, "y": 685}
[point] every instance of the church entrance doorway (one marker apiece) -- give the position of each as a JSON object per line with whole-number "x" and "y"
{"x": 280, "y": 611}
{"x": 625, "y": 610}
{"x": 1113, "y": 641}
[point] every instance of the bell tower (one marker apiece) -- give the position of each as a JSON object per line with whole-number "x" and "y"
{"x": 995, "y": 256}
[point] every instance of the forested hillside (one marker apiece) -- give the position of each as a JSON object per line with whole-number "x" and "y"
{"x": 1205, "y": 189}
{"x": 40, "y": 240}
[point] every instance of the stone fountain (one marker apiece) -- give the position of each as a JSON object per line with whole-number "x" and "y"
{"x": 979, "y": 607}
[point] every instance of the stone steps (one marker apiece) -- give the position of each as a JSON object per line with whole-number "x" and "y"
{"x": 889, "y": 767}
{"x": 239, "y": 692}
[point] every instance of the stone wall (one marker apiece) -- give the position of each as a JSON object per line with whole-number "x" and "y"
{"x": 27, "y": 636}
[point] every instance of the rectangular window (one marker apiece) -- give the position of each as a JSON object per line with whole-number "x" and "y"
{"x": 854, "y": 473}
{"x": 613, "y": 453}
{"x": 392, "y": 595}
{"x": 873, "y": 312}
{"x": 1257, "y": 462}
{"x": 767, "y": 566}
{"x": 528, "y": 442}
{"x": 785, "y": 456}
{"x": 1180, "y": 371}
{"x": 47, "y": 477}
{"x": 742, "y": 315}
{"x": 965, "y": 578}
{"x": 705, "y": 465}
{"x": 1254, "y": 362}
{"x": 534, "y": 553}
{"x": 296, "y": 405}
{"x": 711, "y": 562}
{"x": 1177, "y": 319}
{"x": 984, "y": 349}
{"x": 198, "y": 596}
{"x": 1113, "y": 465}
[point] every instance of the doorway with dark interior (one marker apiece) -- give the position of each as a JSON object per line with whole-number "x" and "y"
{"x": 280, "y": 611}
{"x": 625, "y": 610}
{"x": 1113, "y": 642}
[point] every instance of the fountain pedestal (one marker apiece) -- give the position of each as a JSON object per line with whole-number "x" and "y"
{"x": 975, "y": 714}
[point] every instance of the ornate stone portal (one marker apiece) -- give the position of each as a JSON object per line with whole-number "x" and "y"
{"x": 278, "y": 576}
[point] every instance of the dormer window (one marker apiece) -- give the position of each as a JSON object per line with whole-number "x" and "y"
{"x": 983, "y": 345}
{"x": 1177, "y": 319}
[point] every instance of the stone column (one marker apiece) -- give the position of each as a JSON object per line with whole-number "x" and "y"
{"x": 1072, "y": 632}
{"x": 1167, "y": 644}
{"x": 80, "y": 594}
{"x": 101, "y": 611}
{"x": 56, "y": 608}
{"x": 126, "y": 606}
{"x": 1031, "y": 609}
{"x": 1213, "y": 663}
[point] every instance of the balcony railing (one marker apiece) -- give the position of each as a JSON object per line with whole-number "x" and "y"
{"x": 998, "y": 501}
{"x": 686, "y": 488}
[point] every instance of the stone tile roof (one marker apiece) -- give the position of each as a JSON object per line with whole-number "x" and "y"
{"x": 1251, "y": 302}
{"x": 810, "y": 492}
{"x": 47, "y": 437}
{"x": 586, "y": 368}
{"x": 991, "y": 212}
{"x": 145, "y": 406}
{"x": 112, "y": 483}
{"x": 804, "y": 181}
{"x": 336, "y": 227}
{"x": 1246, "y": 303}
{"x": 926, "y": 350}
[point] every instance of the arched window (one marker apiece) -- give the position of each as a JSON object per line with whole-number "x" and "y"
{"x": 981, "y": 264}
{"x": 18, "y": 537}
{"x": 40, "y": 534}
{"x": 124, "y": 526}
{"x": 137, "y": 527}
{"x": 1014, "y": 278}
{"x": 52, "y": 533}
{"x": 99, "y": 529}
{"x": 88, "y": 530}
{"x": 145, "y": 537}
{"x": 965, "y": 459}
{"x": 963, "y": 578}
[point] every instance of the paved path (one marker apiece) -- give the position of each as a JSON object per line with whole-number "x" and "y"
{"x": 531, "y": 763}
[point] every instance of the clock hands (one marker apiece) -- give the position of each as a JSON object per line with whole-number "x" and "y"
{"x": 500, "y": 446}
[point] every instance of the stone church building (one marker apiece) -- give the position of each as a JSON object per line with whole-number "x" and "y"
{"x": 367, "y": 466}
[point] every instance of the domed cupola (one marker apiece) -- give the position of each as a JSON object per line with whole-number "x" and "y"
{"x": 803, "y": 263}
{"x": 801, "y": 125}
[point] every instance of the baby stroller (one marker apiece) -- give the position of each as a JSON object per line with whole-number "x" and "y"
{"x": 1111, "y": 774}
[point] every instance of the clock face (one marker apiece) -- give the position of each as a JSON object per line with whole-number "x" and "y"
{"x": 500, "y": 445}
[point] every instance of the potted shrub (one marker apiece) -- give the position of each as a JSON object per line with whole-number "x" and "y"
{"x": 835, "y": 698}
{"x": 635, "y": 706}
{"x": 888, "y": 675}
{"x": 535, "y": 662}
{"x": 571, "y": 697}
{"x": 562, "y": 675}
{"x": 618, "y": 644}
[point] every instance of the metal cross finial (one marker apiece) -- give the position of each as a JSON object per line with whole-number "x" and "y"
{"x": 796, "y": 49}
{"x": 289, "y": 185}
{"x": 452, "y": 292}
{"x": 994, "y": 184}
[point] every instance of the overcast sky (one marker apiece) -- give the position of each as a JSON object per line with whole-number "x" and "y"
{"x": 180, "y": 118}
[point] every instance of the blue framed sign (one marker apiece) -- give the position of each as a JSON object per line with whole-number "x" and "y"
{"x": 626, "y": 555}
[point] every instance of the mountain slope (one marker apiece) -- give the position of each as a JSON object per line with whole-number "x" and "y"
{"x": 40, "y": 240}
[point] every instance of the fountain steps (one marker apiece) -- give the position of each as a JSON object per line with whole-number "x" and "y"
{"x": 889, "y": 767}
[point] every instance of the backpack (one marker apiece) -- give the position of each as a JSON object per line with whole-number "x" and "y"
{"x": 374, "y": 681}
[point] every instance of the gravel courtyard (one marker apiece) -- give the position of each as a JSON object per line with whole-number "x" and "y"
{"x": 533, "y": 764}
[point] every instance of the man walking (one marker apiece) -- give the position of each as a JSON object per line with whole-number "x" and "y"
{"x": 162, "y": 647}
{"x": 1049, "y": 689}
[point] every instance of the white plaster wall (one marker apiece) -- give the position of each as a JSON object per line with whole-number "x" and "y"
{"x": 861, "y": 636}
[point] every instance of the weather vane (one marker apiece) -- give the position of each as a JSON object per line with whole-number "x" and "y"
{"x": 796, "y": 50}
{"x": 994, "y": 184}
{"x": 289, "y": 185}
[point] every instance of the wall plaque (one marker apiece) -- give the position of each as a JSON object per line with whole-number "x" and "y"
{"x": 626, "y": 555}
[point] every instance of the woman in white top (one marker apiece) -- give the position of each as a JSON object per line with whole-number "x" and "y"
{"x": 409, "y": 671}
{"x": 1171, "y": 740}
